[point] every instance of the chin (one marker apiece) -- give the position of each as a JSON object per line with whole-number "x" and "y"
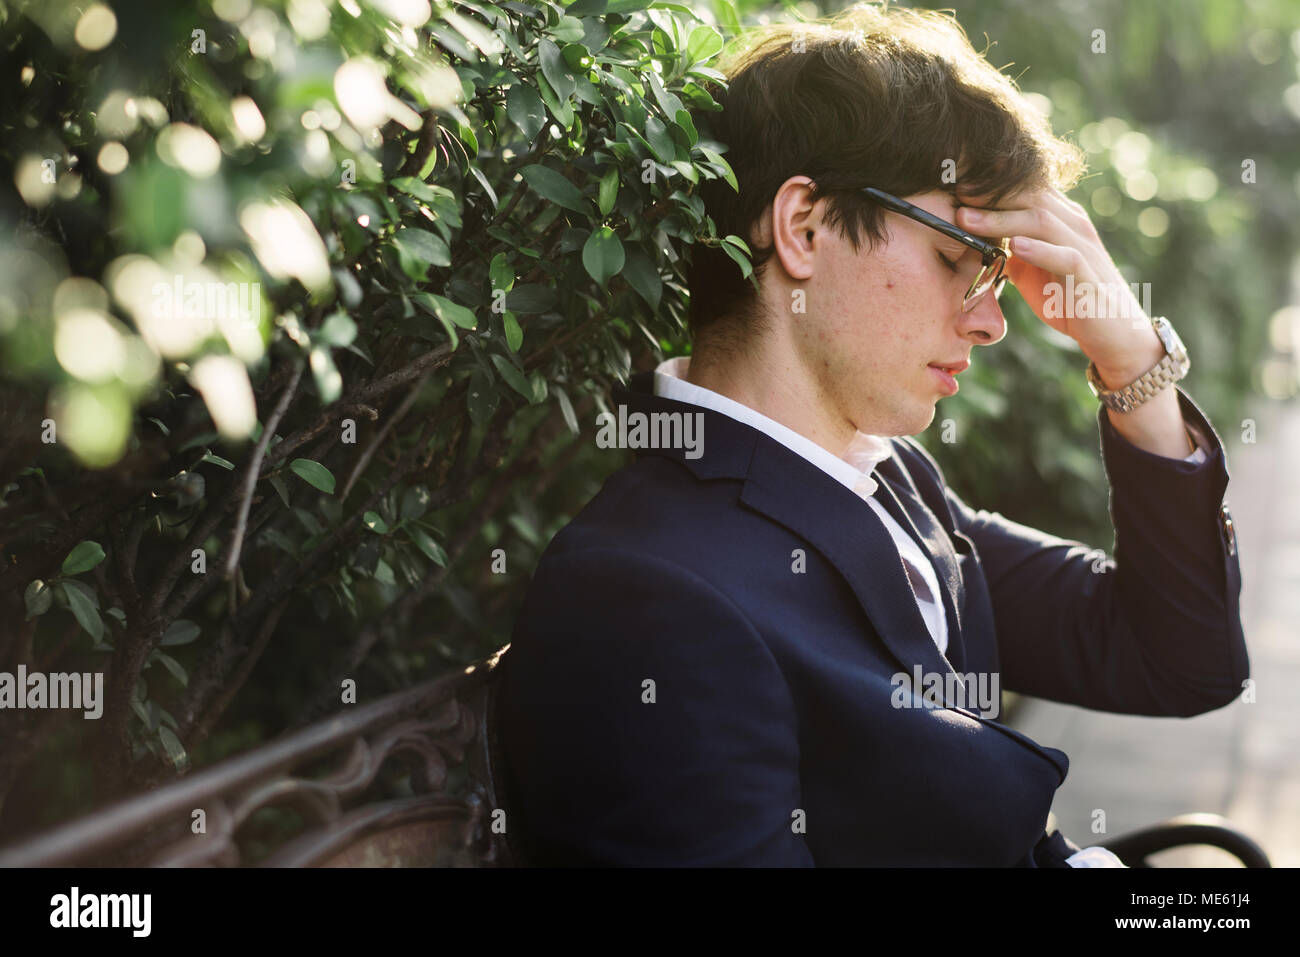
{"x": 924, "y": 419}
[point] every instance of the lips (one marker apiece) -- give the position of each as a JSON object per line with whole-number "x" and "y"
{"x": 952, "y": 368}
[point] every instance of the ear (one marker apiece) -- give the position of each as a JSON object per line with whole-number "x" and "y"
{"x": 795, "y": 223}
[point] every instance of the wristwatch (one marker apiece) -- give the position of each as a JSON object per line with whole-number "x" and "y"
{"x": 1159, "y": 377}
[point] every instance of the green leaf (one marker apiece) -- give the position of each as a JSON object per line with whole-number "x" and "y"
{"x": 481, "y": 398}
{"x": 201, "y": 439}
{"x": 538, "y": 383}
{"x": 530, "y": 298}
{"x": 83, "y": 558}
{"x": 84, "y": 605}
{"x": 338, "y": 330}
{"x": 432, "y": 549}
{"x": 728, "y": 16}
{"x": 566, "y": 409}
{"x": 578, "y": 58}
{"x": 418, "y": 249}
{"x": 226, "y": 464}
{"x": 513, "y": 376}
{"x": 641, "y": 275}
{"x": 384, "y": 573}
{"x": 732, "y": 247}
{"x": 552, "y": 185}
{"x": 514, "y": 334}
{"x": 375, "y": 522}
{"x": 686, "y": 169}
{"x": 487, "y": 187}
{"x": 314, "y": 474}
{"x": 670, "y": 104}
{"x": 415, "y": 502}
{"x": 525, "y": 109}
{"x": 728, "y": 174}
{"x": 602, "y": 255}
{"x": 704, "y": 43}
{"x": 143, "y": 714}
{"x": 329, "y": 383}
{"x": 38, "y": 596}
{"x": 413, "y": 186}
{"x": 175, "y": 750}
{"x": 657, "y": 135}
{"x": 737, "y": 242}
{"x": 180, "y": 632}
{"x": 559, "y": 107}
{"x": 555, "y": 69}
{"x": 683, "y": 119}
{"x": 608, "y": 190}
{"x": 174, "y": 666}
{"x": 500, "y": 272}
{"x": 281, "y": 489}
{"x": 446, "y": 310}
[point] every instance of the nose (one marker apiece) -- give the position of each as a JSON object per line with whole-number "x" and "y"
{"x": 984, "y": 324}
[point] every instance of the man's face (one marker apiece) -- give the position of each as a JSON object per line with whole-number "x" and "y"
{"x": 876, "y": 319}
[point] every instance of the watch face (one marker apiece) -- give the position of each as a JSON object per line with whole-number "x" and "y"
{"x": 1173, "y": 345}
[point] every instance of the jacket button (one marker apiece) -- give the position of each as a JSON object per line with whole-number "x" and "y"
{"x": 1229, "y": 530}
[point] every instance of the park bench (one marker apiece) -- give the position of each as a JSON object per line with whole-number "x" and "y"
{"x": 414, "y": 779}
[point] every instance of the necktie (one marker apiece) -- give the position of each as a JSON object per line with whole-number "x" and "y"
{"x": 865, "y": 452}
{"x": 918, "y": 580}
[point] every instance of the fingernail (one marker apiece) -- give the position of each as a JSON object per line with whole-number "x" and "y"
{"x": 974, "y": 215}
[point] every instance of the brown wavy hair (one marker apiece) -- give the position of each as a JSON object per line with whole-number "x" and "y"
{"x": 873, "y": 96}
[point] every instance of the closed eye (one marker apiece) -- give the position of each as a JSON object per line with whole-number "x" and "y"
{"x": 952, "y": 266}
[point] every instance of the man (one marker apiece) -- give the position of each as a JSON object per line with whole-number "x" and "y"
{"x": 755, "y": 650}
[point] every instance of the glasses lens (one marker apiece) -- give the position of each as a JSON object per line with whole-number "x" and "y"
{"x": 989, "y": 277}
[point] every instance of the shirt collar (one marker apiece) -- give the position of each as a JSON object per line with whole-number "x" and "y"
{"x": 852, "y": 468}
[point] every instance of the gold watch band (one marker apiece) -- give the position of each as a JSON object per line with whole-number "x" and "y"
{"x": 1166, "y": 372}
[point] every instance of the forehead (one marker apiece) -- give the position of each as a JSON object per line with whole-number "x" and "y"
{"x": 941, "y": 204}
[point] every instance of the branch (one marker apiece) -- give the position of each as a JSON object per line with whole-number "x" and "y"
{"x": 254, "y": 467}
{"x": 378, "y": 440}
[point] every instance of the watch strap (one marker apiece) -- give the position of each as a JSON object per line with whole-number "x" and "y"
{"x": 1166, "y": 372}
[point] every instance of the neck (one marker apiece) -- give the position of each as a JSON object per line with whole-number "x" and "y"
{"x": 770, "y": 379}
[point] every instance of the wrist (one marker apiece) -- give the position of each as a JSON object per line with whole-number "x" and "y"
{"x": 1135, "y": 364}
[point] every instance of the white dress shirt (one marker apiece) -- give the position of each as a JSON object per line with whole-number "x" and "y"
{"x": 853, "y": 469}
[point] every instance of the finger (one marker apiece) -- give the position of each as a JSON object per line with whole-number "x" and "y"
{"x": 1035, "y": 221}
{"x": 1050, "y": 257}
{"x": 1069, "y": 212}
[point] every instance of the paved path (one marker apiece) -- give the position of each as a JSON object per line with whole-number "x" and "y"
{"x": 1242, "y": 761}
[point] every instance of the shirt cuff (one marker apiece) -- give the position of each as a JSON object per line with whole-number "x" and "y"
{"x": 1200, "y": 455}
{"x": 1095, "y": 856}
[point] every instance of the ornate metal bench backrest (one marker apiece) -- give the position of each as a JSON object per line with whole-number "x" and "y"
{"x": 409, "y": 780}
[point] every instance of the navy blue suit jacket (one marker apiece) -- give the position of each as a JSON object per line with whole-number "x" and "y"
{"x": 769, "y": 734}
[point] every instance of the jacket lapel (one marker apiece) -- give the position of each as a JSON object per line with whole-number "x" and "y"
{"x": 790, "y": 490}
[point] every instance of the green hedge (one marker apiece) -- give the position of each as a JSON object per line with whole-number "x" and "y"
{"x": 453, "y": 234}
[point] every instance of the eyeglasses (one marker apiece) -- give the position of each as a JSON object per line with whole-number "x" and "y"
{"x": 992, "y": 274}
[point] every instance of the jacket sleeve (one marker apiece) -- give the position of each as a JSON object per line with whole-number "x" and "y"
{"x": 645, "y": 721}
{"x": 1154, "y": 628}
